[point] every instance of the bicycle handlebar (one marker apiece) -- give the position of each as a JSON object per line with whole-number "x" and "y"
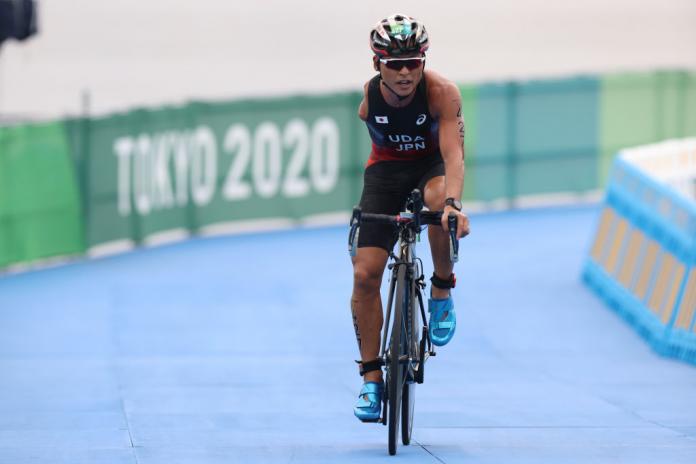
{"x": 403, "y": 220}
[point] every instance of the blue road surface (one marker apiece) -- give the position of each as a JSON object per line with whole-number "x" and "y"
{"x": 240, "y": 350}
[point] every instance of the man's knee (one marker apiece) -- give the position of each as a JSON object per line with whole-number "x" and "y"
{"x": 366, "y": 279}
{"x": 434, "y": 194}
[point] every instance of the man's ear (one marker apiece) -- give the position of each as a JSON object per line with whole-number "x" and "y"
{"x": 375, "y": 62}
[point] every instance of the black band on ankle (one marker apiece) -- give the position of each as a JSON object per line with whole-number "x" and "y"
{"x": 369, "y": 366}
{"x": 443, "y": 284}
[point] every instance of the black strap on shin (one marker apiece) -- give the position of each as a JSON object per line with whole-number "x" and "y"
{"x": 369, "y": 366}
{"x": 443, "y": 284}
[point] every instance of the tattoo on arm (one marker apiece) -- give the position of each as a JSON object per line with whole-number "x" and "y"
{"x": 460, "y": 122}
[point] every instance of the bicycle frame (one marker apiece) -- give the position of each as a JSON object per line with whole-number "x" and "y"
{"x": 402, "y": 351}
{"x": 414, "y": 274}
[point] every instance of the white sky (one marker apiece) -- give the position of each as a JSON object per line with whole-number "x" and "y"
{"x": 148, "y": 52}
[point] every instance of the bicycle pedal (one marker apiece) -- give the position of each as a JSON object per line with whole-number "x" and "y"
{"x": 372, "y": 421}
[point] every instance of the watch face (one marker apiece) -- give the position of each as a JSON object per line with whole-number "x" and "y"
{"x": 455, "y": 203}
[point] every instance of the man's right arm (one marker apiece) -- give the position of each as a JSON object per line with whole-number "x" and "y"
{"x": 362, "y": 110}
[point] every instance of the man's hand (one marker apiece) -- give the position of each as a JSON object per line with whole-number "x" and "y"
{"x": 462, "y": 221}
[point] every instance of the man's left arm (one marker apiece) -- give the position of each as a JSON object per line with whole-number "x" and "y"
{"x": 451, "y": 137}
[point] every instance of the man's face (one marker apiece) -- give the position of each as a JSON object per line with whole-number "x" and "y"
{"x": 402, "y": 74}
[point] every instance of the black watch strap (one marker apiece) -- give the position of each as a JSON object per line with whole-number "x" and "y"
{"x": 454, "y": 203}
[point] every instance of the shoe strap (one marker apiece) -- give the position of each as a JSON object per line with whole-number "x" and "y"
{"x": 371, "y": 388}
{"x": 442, "y": 325}
{"x": 438, "y": 305}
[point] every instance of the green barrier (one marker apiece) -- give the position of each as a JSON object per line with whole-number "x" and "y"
{"x": 555, "y": 136}
{"x": 39, "y": 204}
{"x": 469, "y": 97}
{"x": 212, "y": 167}
{"x": 642, "y": 108}
{"x": 533, "y": 138}
{"x": 213, "y": 164}
{"x": 488, "y": 167}
{"x": 689, "y": 103}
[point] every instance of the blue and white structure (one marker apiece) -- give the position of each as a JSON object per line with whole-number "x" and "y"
{"x": 643, "y": 259}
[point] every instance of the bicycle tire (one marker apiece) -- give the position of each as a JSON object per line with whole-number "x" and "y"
{"x": 408, "y": 401}
{"x": 396, "y": 371}
{"x": 408, "y": 396}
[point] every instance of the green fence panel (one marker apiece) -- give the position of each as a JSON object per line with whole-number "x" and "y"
{"x": 671, "y": 104}
{"x": 628, "y": 114}
{"x": 288, "y": 158}
{"x": 675, "y": 104}
{"x": 40, "y": 213}
{"x": 555, "y": 136}
{"x": 185, "y": 168}
{"x": 138, "y": 174}
{"x": 642, "y": 108}
{"x": 469, "y": 100}
{"x": 689, "y": 104}
{"x": 488, "y": 160}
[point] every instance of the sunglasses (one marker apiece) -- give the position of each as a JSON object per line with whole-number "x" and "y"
{"x": 397, "y": 63}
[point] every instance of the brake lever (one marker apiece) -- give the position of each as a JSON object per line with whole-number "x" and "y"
{"x": 354, "y": 231}
{"x": 454, "y": 243}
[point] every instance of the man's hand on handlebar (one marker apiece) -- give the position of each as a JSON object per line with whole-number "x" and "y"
{"x": 462, "y": 221}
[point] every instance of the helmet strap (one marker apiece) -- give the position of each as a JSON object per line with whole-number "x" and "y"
{"x": 399, "y": 97}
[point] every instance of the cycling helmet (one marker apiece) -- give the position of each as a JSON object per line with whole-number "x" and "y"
{"x": 398, "y": 35}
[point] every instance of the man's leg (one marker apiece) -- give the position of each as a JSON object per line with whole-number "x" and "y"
{"x": 366, "y": 304}
{"x": 442, "y": 322}
{"x": 434, "y": 196}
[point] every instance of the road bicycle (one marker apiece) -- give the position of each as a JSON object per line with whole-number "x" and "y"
{"x": 409, "y": 346}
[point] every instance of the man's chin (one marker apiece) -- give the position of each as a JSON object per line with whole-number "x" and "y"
{"x": 404, "y": 91}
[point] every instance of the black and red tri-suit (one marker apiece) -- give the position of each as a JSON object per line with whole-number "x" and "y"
{"x": 405, "y": 155}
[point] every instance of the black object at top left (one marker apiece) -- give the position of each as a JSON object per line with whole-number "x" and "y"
{"x": 18, "y": 19}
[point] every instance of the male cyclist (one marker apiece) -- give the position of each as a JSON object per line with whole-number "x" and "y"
{"x": 414, "y": 118}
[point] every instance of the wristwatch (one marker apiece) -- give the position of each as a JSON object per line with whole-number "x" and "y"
{"x": 454, "y": 203}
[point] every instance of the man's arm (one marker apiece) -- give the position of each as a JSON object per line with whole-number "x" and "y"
{"x": 451, "y": 136}
{"x": 362, "y": 110}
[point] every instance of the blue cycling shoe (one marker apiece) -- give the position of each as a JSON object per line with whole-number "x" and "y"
{"x": 441, "y": 327}
{"x": 369, "y": 405}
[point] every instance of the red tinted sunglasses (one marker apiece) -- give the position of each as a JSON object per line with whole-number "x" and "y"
{"x": 397, "y": 63}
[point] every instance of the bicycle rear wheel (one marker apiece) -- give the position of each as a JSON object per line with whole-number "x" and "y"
{"x": 397, "y": 374}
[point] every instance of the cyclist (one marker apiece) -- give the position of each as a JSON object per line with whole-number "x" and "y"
{"x": 414, "y": 118}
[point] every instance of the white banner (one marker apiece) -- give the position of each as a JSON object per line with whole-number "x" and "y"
{"x": 672, "y": 162}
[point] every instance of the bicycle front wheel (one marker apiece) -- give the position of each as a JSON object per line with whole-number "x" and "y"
{"x": 397, "y": 348}
{"x": 408, "y": 401}
{"x": 408, "y": 398}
